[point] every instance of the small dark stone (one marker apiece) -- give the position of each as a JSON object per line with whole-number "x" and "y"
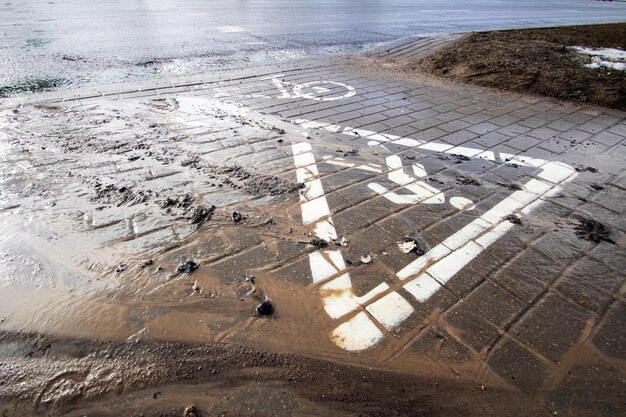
{"x": 265, "y": 308}
{"x": 156, "y": 394}
{"x": 236, "y": 216}
{"x": 597, "y": 187}
{"x": 122, "y": 189}
{"x": 188, "y": 267}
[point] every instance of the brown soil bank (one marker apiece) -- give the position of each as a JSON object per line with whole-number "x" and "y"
{"x": 535, "y": 61}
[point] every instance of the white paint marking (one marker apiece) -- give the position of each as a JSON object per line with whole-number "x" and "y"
{"x": 428, "y": 273}
{"x": 356, "y": 334}
{"x": 390, "y": 310}
{"x": 423, "y": 287}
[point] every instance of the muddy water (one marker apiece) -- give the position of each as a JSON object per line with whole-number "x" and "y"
{"x": 97, "y": 216}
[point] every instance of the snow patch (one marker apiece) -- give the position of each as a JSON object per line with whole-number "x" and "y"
{"x": 610, "y": 58}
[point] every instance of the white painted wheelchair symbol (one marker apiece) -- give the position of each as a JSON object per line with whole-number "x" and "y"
{"x": 416, "y": 189}
{"x": 364, "y": 320}
{"x": 313, "y": 90}
{"x": 319, "y": 90}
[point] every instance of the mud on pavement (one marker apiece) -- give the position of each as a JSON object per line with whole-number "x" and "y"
{"x": 274, "y": 245}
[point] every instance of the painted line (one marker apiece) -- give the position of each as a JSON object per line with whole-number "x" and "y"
{"x": 428, "y": 273}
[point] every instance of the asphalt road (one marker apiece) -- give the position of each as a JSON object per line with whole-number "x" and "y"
{"x": 52, "y": 43}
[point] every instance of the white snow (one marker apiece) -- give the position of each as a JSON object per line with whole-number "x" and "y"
{"x": 610, "y": 58}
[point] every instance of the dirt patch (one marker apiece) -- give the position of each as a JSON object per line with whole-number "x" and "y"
{"x": 534, "y": 61}
{"x": 156, "y": 378}
{"x": 256, "y": 184}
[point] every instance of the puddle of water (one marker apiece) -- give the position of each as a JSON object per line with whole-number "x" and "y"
{"x": 33, "y": 85}
{"x": 36, "y": 42}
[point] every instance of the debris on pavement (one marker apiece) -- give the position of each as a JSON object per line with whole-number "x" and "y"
{"x": 190, "y": 411}
{"x": 410, "y": 244}
{"x": 593, "y": 231}
{"x": 513, "y": 219}
{"x": 236, "y": 216}
{"x": 366, "y": 259}
{"x": 463, "y": 180}
{"x": 265, "y": 308}
{"x": 188, "y": 267}
{"x": 200, "y": 213}
{"x": 320, "y": 243}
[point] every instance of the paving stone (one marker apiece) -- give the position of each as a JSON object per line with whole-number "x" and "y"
{"x": 366, "y": 277}
{"x": 561, "y": 125}
{"x": 608, "y": 138}
{"x": 543, "y": 133}
{"x": 370, "y": 240}
{"x": 476, "y": 331}
{"x": 439, "y": 345}
{"x": 234, "y": 268}
{"x": 454, "y": 126}
{"x": 483, "y": 128}
{"x": 610, "y": 338}
{"x": 491, "y": 302}
{"x": 458, "y": 138}
{"x": 528, "y": 275}
{"x": 491, "y": 139}
{"x": 592, "y": 127}
{"x": 505, "y": 120}
{"x": 534, "y": 122}
{"x": 356, "y": 218}
{"x": 426, "y": 312}
{"x": 591, "y": 284}
{"x": 589, "y": 390}
{"x": 575, "y": 135}
{"x": 523, "y": 142}
{"x": 513, "y": 129}
{"x": 563, "y": 246}
{"x": 517, "y": 366}
{"x": 297, "y": 272}
{"x": 611, "y": 255}
{"x": 538, "y": 328}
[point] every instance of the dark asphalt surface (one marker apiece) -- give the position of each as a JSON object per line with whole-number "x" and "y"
{"x": 52, "y": 43}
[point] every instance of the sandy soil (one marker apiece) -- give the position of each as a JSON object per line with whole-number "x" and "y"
{"x": 533, "y": 61}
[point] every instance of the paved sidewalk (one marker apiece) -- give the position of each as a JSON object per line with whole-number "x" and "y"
{"x": 506, "y": 278}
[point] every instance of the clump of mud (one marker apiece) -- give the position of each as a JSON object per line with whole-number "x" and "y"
{"x": 256, "y": 184}
{"x": 115, "y": 195}
{"x": 593, "y": 231}
{"x": 463, "y": 180}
